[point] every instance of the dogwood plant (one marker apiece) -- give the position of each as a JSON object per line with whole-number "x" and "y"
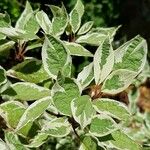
{"x": 46, "y": 107}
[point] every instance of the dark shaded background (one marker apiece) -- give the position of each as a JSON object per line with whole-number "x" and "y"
{"x": 133, "y": 15}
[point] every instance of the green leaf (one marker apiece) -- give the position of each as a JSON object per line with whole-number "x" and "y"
{"x": 59, "y": 21}
{"x": 102, "y": 125}
{"x": 25, "y": 91}
{"x": 3, "y": 145}
{"x": 103, "y": 61}
{"x": 86, "y": 76}
{"x": 77, "y": 50}
{"x": 62, "y": 98}
{"x": 54, "y": 56}
{"x": 4, "y": 22}
{"x": 122, "y": 142}
{"x": 34, "y": 111}
{"x": 82, "y": 110}
{"x": 76, "y": 15}
{"x": 88, "y": 144}
{"x": 31, "y": 70}
{"x": 43, "y": 21}
{"x": 111, "y": 107}
{"x": 85, "y": 28}
{"x": 58, "y": 127}
{"x": 13, "y": 141}
{"x": 5, "y": 48}
{"x": 3, "y": 78}
{"x": 38, "y": 140}
{"x": 12, "y": 111}
{"x": 132, "y": 55}
{"x": 22, "y": 20}
{"x": 118, "y": 81}
{"x": 94, "y": 39}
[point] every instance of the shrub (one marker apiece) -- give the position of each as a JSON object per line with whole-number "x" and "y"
{"x": 44, "y": 104}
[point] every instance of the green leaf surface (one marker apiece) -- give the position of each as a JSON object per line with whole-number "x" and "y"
{"x": 85, "y": 27}
{"x": 54, "y": 56}
{"x": 62, "y": 99}
{"x": 38, "y": 140}
{"x": 25, "y": 91}
{"x": 77, "y": 50}
{"x": 3, "y": 79}
{"x": 76, "y": 15}
{"x": 86, "y": 76}
{"x": 58, "y": 127}
{"x": 103, "y": 61}
{"x": 94, "y": 39}
{"x": 31, "y": 70}
{"x": 82, "y": 110}
{"x": 118, "y": 81}
{"x": 44, "y": 22}
{"x": 12, "y": 111}
{"x": 59, "y": 21}
{"x": 34, "y": 111}
{"x": 102, "y": 125}
{"x": 13, "y": 142}
{"x": 112, "y": 108}
{"x": 131, "y": 55}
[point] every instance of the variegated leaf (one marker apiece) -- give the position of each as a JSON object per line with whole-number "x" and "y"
{"x": 54, "y": 56}
{"x": 3, "y": 145}
{"x": 34, "y": 111}
{"x": 59, "y": 21}
{"x": 112, "y": 108}
{"x": 31, "y": 70}
{"x": 82, "y": 110}
{"x": 76, "y": 15}
{"x": 43, "y": 21}
{"x": 58, "y": 127}
{"x": 94, "y": 39}
{"x": 103, "y": 61}
{"x": 102, "y": 125}
{"x": 77, "y": 50}
{"x": 25, "y": 91}
{"x": 86, "y": 76}
{"x": 132, "y": 55}
{"x": 85, "y": 28}
{"x": 12, "y": 111}
{"x": 118, "y": 81}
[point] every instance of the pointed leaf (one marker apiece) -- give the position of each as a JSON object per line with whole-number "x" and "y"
{"x": 103, "y": 61}
{"x": 118, "y": 81}
{"x": 43, "y": 21}
{"x": 34, "y": 111}
{"x": 76, "y": 15}
{"x": 21, "y": 21}
{"x": 102, "y": 125}
{"x": 85, "y": 28}
{"x": 77, "y": 50}
{"x": 3, "y": 145}
{"x": 132, "y": 55}
{"x": 94, "y": 39}
{"x": 86, "y": 76}
{"x": 82, "y": 110}
{"x": 30, "y": 70}
{"x": 54, "y": 56}
{"x": 59, "y": 21}
{"x": 58, "y": 127}
{"x": 111, "y": 107}
{"x": 26, "y": 91}
{"x": 12, "y": 111}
